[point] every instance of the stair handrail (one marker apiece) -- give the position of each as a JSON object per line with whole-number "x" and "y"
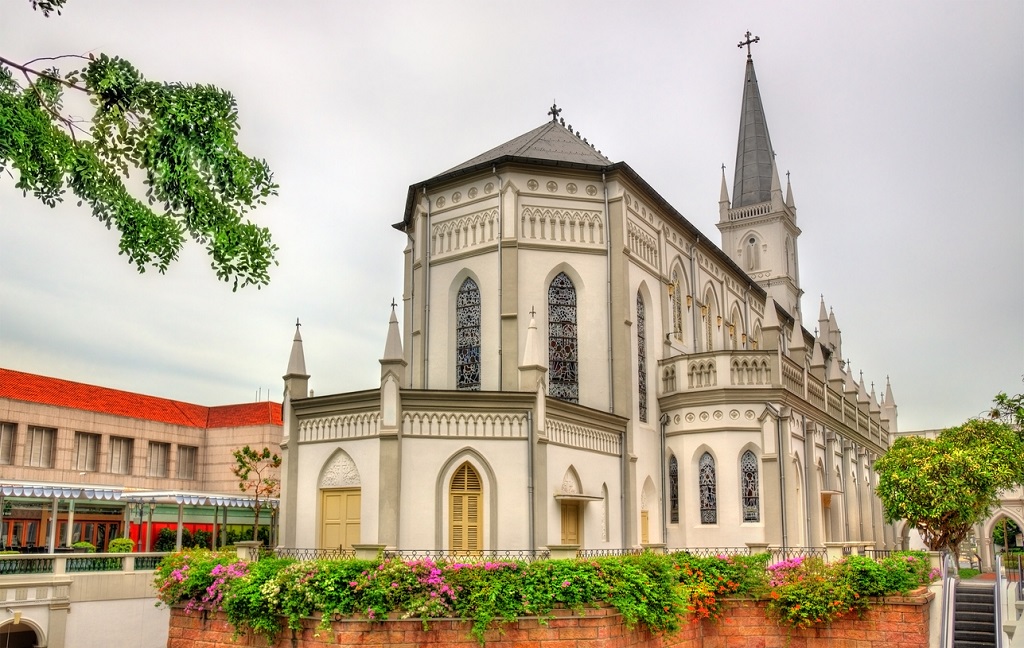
{"x": 1000, "y": 599}
{"x": 949, "y": 578}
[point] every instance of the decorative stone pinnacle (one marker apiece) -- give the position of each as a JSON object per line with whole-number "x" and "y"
{"x": 748, "y": 42}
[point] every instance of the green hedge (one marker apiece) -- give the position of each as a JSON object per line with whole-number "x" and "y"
{"x": 656, "y": 591}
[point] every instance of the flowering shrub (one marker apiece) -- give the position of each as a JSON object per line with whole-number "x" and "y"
{"x": 653, "y": 590}
{"x": 187, "y": 576}
{"x": 806, "y": 592}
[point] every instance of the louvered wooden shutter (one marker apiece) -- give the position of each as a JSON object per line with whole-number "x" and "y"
{"x": 465, "y": 501}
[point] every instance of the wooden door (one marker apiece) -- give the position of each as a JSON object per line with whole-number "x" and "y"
{"x": 339, "y": 515}
{"x": 570, "y": 523}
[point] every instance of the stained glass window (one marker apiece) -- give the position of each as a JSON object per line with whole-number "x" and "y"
{"x": 748, "y": 486}
{"x": 677, "y": 305}
{"x": 563, "y": 350}
{"x": 467, "y": 336}
{"x": 708, "y": 490}
{"x": 641, "y": 357}
{"x": 673, "y": 490}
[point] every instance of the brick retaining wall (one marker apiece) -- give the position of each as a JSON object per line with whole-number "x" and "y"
{"x": 894, "y": 621}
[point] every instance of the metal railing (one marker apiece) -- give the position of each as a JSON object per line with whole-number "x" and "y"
{"x": 605, "y": 553}
{"x": 713, "y": 552}
{"x": 77, "y": 563}
{"x": 880, "y": 553}
{"x": 485, "y": 555}
{"x": 313, "y": 554}
{"x": 949, "y": 579}
{"x": 779, "y": 554}
{"x": 1000, "y": 600}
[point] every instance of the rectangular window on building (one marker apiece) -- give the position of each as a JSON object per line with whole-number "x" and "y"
{"x": 39, "y": 447}
{"x": 7, "y": 431}
{"x": 121, "y": 455}
{"x": 187, "y": 462}
{"x": 159, "y": 453}
{"x": 86, "y": 448}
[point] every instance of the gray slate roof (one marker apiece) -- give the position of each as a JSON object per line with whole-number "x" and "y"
{"x": 552, "y": 141}
{"x": 752, "y": 183}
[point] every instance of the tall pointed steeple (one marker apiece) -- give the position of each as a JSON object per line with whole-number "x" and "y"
{"x": 759, "y": 229}
{"x": 296, "y": 380}
{"x": 297, "y": 359}
{"x": 754, "y": 153}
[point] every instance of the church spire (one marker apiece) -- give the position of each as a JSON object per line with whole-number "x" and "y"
{"x": 297, "y": 359}
{"x": 754, "y": 153}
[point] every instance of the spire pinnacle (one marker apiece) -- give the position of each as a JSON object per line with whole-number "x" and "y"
{"x": 752, "y": 181}
{"x": 297, "y": 359}
{"x": 748, "y": 42}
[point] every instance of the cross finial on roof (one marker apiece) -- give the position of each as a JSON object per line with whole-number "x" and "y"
{"x": 723, "y": 167}
{"x": 554, "y": 111}
{"x": 297, "y": 325}
{"x": 748, "y": 42}
{"x": 533, "y": 311}
{"x": 393, "y": 303}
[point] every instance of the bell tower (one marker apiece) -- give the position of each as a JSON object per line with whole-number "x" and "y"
{"x": 758, "y": 225}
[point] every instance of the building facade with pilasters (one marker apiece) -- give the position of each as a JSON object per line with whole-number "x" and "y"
{"x": 574, "y": 363}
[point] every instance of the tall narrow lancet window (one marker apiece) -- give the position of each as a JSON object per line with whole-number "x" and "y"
{"x": 677, "y": 305}
{"x": 707, "y": 483}
{"x": 563, "y": 349}
{"x": 641, "y": 357}
{"x": 748, "y": 487}
{"x": 673, "y": 490}
{"x": 467, "y": 336}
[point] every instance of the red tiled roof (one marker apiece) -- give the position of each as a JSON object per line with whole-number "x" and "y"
{"x": 31, "y": 388}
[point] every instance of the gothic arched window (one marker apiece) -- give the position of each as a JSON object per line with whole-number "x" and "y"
{"x": 748, "y": 487}
{"x": 641, "y": 356}
{"x": 563, "y": 350}
{"x": 465, "y": 512}
{"x": 753, "y": 254}
{"x": 673, "y": 490}
{"x": 677, "y": 305}
{"x": 467, "y": 337}
{"x": 707, "y": 484}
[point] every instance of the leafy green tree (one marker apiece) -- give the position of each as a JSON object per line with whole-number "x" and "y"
{"x": 1009, "y": 410}
{"x": 257, "y": 473}
{"x": 944, "y": 486}
{"x": 180, "y": 139}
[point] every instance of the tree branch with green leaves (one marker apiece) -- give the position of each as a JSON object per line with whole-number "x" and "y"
{"x": 257, "y": 474}
{"x": 946, "y": 485}
{"x": 180, "y": 139}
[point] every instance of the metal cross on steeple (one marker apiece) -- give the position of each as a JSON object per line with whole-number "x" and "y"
{"x": 748, "y": 42}
{"x": 393, "y": 303}
{"x": 554, "y": 111}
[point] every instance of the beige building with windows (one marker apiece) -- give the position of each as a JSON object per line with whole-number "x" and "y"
{"x": 577, "y": 364}
{"x": 62, "y": 433}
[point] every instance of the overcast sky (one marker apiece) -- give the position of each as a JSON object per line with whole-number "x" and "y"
{"x": 902, "y": 124}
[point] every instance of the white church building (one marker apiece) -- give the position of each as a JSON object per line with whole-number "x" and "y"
{"x": 574, "y": 363}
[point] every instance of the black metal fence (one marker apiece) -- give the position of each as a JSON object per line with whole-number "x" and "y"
{"x": 486, "y": 555}
{"x": 313, "y": 554}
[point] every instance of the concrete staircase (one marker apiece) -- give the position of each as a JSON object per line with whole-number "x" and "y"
{"x": 975, "y": 623}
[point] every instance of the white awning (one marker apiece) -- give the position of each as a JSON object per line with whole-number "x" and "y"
{"x": 196, "y": 499}
{"x": 60, "y": 491}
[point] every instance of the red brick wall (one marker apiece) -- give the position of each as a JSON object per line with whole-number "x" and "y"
{"x": 898, "y": 621}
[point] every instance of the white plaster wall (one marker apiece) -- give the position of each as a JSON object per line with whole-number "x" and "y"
{"x": 365, "y": 453}
{"x": 424, "y": 492}
{"x": 594, "y": 470}
{"x": 726, "y": 446}
{"x": 124, "y": 622}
